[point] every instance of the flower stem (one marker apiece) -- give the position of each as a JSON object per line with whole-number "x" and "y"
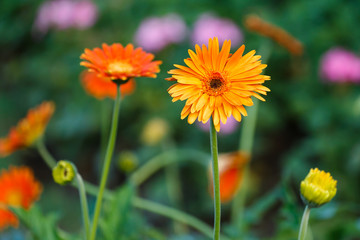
{"x": 84, "y": 205}
{"x": 163, "y": 159}
{"x": 216, "y": 180}
{"x": 49, "y": 160}
{"x": 107, "y": 162}
{"x": 304, "y": 223}
{"x": 156, "y": 207}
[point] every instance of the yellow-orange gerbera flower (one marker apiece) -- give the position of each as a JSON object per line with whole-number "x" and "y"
{"x": 216, "y": 83}
{"x": 231, "y": 171}
{"x": 28, "y": 129}
{"x": 19, "y": 188}
{"x": 120, "y": 63}
{"x": 101, "y": 88}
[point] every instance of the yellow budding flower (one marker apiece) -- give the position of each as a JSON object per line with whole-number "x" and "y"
{"x": 317, "y": 188}
{"x": 64, "y": 172}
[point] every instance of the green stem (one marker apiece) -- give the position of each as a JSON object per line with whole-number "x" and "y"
{"x": 84, "y": 205}
{"x": 49, "y": 160}
{"x": 158, "y": 208}
{"x": 174, "y": 214}
{"x": 216, "y": 180}
{"x": 164, "y": 159}
{"x": 246, "y": 144}
{"x": 304, "y": 223}
{"x": 107, "y": 162}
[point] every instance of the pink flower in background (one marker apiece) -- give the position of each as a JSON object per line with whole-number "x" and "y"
{"x": 340, "y": 65}
{"x": 209, "y": 26}
{"x": 156, "y": 33}
{"x": 85, "y": 14}
{"x": 225, "y": 129}
{"x": 64, "y": 14}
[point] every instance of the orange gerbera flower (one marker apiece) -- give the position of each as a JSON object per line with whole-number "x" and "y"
{"x": 231, "y": 171}
{"x": 19, "y": 188}
{"x": 120, "y": 63}
{"x": 28, "y": 129}
{"x": 7, "y": 219}
{"x": 101, "y": 88}
{"x": 217, "y": 84}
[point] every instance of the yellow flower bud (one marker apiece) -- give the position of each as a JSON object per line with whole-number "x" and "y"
{"x": 155, "y": 131}
{"x": 64, "y": 172}
{"x": 317, "y": 188}
{"x": 127, "y": 162}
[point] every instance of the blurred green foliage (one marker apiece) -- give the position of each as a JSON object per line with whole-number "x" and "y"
{"x": 305, "y": 122}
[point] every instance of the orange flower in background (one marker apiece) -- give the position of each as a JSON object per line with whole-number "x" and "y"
{"x": 28, "y": 130}
{"x": 216, "y": 83}
{"x": 101, "y": 88}
{"x": 120, "y": 63}
{"x": 231, "y": 171}
{"x": 7, "y": 219}
{"x": 19, "y": 188}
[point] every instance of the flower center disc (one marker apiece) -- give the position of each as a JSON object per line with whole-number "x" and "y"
{"x": 120, "y": 68}
{"x": 215, "y": 84}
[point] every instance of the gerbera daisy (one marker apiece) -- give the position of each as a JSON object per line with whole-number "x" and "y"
{"x": 19, "y": 188}
{"x": 120, "y": 63}
{"x": 28, "y": 129}
{"x": 100, "y": 87}
{"x": 216, "y": 83}
{"x": 7, "y": 219}
{"x": 231, "y": 171}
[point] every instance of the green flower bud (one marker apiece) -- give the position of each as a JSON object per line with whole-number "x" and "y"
{"x": 64, "y": 172}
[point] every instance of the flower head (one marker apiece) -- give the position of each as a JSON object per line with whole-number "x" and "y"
{"x": 340, "y": 65}
{"x": 208, "y": 26}
{"x": 317, "y": 188}
{"x": 231, "y": 171}
{"x": 120, "y": 63}
{"x": 231, "y": 126}
{"x": 156, "y": 33}
{"x": 28, "y": 130}
{"x": 7, "y": 218}
{"x": 19, "y": 188}
{"x": 64, "y": 14}
{"x": 155, "y": 131}
{"x": 101, "y": 88}
{"x": 217, "y": 84}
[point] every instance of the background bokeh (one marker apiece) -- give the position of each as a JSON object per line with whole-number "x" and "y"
{"x": 306, "y": 121}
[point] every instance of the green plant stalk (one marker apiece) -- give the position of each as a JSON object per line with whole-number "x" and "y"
{"x": 174, "y": 214}
{"x": 155, "y": 164}
{"x": 164, "y": 159}
{"x": 107, "y": 163}
{"x": 44, "y": 153}
{"x": 216, "y": 180}
{"x": 304, "y": 223}
{"x": 173, "y": 184}
{"x": 84, "y": 205}
{"x": 246, "y": 144}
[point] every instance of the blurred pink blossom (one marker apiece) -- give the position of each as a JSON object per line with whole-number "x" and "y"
{"x": 340, "y": 65}
{"x": 156, "y": 33}
{"x": 225, "y": 129}
{"x": 209, "y": 26}
{"x": 64, "y": 14}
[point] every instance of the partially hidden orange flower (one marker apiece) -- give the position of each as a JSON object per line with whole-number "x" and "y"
{"x": 19, "y": 188}
{"x": 120, "y": 63}
{"x": 28, "y": 130}
{"x": 231, "y": 171}
{"x": 216, "y": 83}
{"x": 100, "y": 87}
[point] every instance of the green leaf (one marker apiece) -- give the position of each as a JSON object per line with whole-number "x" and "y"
{"x": 116, "y": 213}
{"x": 41, "y": 226}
